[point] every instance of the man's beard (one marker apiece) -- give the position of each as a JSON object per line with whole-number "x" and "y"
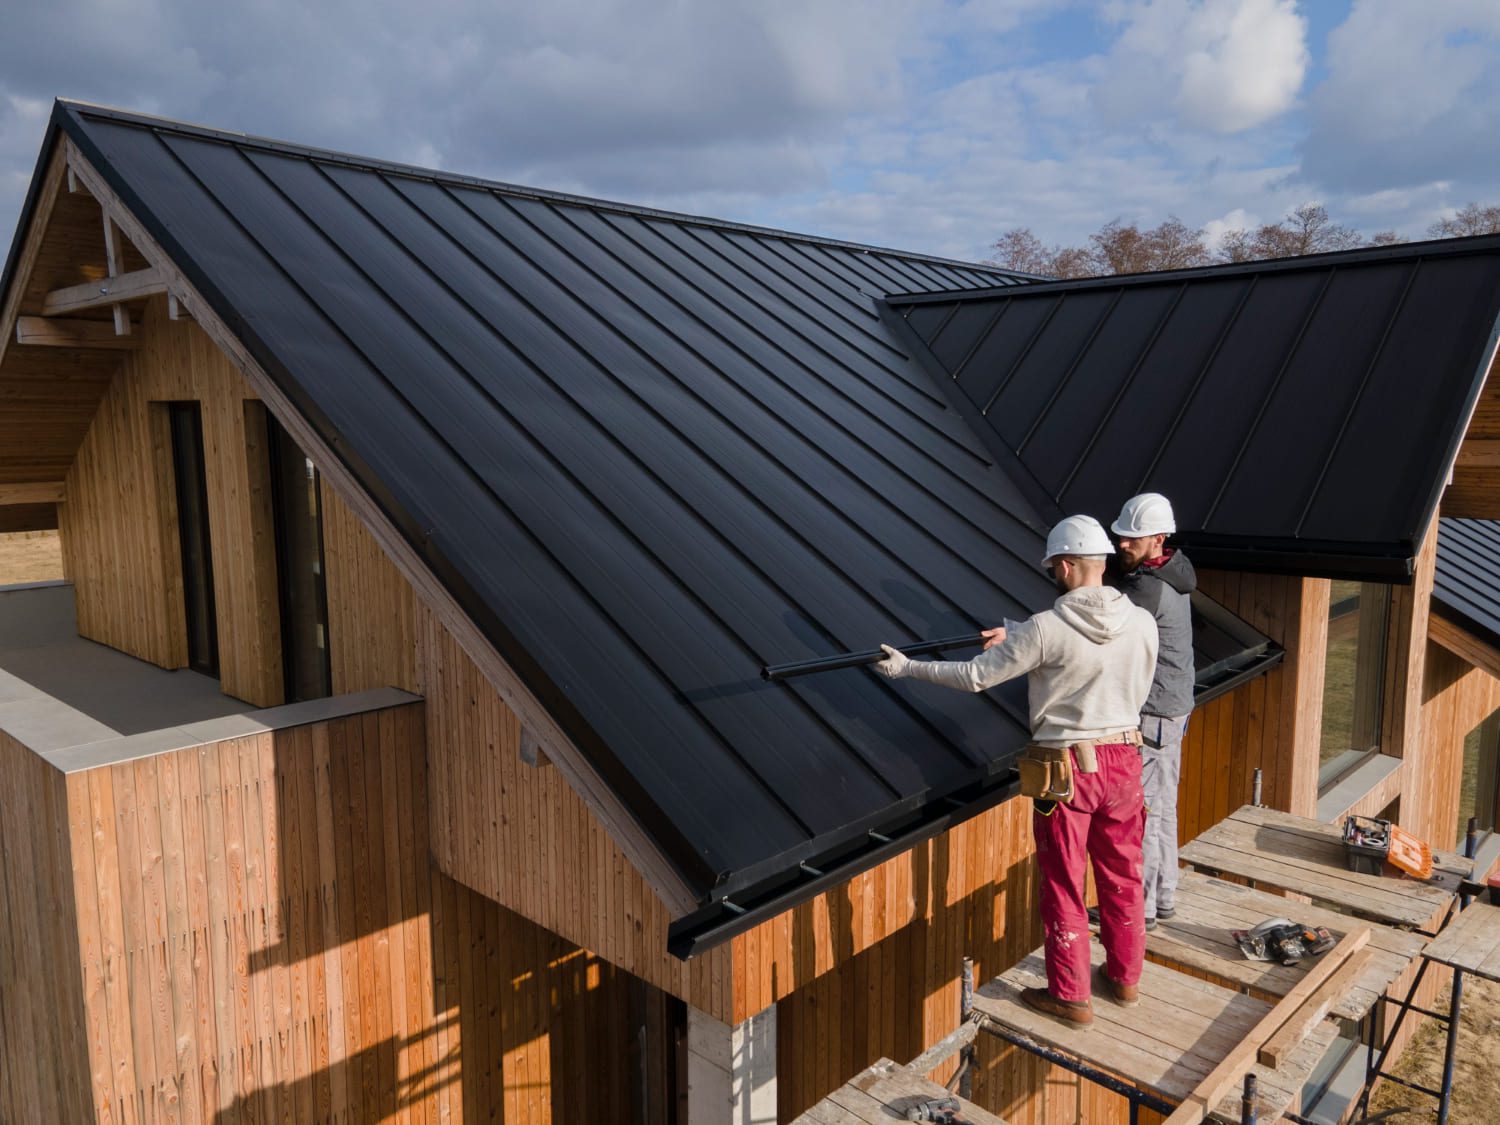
{"x": 1062, "y": 587}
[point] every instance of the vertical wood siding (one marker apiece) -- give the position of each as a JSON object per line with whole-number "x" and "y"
{"x": 1272, "y": 723}
{"x": 119, "y": 521}
{"x": 514, "y": 832}
{"x": 1457, "y": 697}
{"x": 44, "y": 1059}
{"x": 260, "y": 936}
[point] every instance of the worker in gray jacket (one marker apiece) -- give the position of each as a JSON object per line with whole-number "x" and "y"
{"x": 1159, "y": 579}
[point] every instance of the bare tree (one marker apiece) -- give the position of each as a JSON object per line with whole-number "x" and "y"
{"x": 1470, "y": 219}
{"x": 1118, "y": 247}
{"x": 1304, "y": 230}
{"x": 1020, "y": 249}
{"x": 1121, "y": 247}
{"x": 1175, "y": 245}
{"x": 1236, "y": 245}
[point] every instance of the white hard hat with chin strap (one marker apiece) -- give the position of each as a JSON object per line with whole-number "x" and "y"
{"x": 1077, "y": 535}
{"x": 1150, "y": 513}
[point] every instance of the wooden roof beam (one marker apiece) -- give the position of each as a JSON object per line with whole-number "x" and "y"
{"x": 45, "y": 332}
{"x": 114, "y": 257}
{"x": 107, "y": 291}
{"x": 44, "y": 492}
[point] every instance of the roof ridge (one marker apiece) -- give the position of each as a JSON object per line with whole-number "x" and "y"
{"x": 1328, "y": 259}
{"x": 437, "y": 175}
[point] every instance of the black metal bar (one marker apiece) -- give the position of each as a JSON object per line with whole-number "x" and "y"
{"x": 1455, "y": 1006}
{"x": 1372, "y": 1070}
{"x": 1428, "y": 1012}
{"x": 1417, "y": 1086}
{"x": 775, "y": 672}
{"x": 1456, "y": 999}
{"x": 1247, "y": 1101}
{"x": 1082, "y": 1069}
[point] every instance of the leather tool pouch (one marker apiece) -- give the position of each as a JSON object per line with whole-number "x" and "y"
{"x": 1046, "y": 774}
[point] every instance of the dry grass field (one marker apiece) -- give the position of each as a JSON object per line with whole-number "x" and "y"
{"x": 30, "y": 556}
{"x": 1476, "y": 1063}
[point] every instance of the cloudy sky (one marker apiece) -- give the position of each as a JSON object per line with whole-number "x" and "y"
{"x": 925, "y": 124}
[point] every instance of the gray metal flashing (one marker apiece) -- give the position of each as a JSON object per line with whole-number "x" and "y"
{"x": 125, "y": 748}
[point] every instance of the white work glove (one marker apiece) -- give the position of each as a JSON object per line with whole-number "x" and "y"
{"x": 895, "y": 665}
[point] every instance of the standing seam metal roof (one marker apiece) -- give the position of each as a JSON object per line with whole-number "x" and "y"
{"x": 1302, "y": 414}
{"x": 1466, "y": 580}
{"x": 648, "y": 454}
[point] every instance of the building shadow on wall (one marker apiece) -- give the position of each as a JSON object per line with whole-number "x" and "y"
{"x": 407, "y": 990}
{"x": 877, "y": 1002}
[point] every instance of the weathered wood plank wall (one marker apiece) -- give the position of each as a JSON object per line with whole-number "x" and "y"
{"x": 514, "y": 832}
{"x": 1272, "y": 723}
{"x": 260, "y": 936}
{"x": 44, "y": 1060}
{"x": 119, "y": 522}
{"x": 1457, "y": 697}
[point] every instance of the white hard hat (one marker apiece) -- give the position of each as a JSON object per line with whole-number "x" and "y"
{"x": 1077, "y": 535}
{"x": 1150, "y": 513}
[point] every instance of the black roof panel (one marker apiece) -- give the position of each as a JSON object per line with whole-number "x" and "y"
{"x": 1466, "y": 582}
{"x": 1301, "y": 414}
{"x": 648, "y": 453}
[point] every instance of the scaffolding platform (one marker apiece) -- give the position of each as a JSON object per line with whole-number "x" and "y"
{"x": 1168, "y": 1044}
{"x": 1210, "y": 1020}
{"x": 888, "y": 1091}
{"x": 1197, "y": 938}
{"x": 884, "y": 1093}
{"x": 1307, "y": 857}
{"x": 1471, "y": 944}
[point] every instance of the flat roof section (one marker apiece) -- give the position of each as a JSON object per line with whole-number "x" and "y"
{"x": 80, "y": 704}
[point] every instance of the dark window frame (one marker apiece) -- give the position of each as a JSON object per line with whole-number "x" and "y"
{"x": 190, "y": 470}
{"x": 1367, "y": 701}
{"x": 278, "y": 445}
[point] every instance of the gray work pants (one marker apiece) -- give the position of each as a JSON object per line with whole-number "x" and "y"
{"x": 1161, "y": 765}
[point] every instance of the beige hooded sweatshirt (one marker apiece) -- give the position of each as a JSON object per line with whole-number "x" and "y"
{"x": 1090, "y": 658}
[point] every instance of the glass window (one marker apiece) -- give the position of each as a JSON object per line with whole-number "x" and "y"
{"x": 298, "y": 513}
{"x": 1354, "y": 676}
{"x": 1478, "y": 792}
{"x": 186, "y": 420}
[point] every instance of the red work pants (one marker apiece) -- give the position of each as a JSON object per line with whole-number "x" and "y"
{"x": 1105, "y": 822}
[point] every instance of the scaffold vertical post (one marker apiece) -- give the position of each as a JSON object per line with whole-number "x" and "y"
{"x": 966, "y": 1011}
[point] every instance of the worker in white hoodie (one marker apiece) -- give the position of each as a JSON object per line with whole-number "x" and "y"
{"x": 1090, "y": 660}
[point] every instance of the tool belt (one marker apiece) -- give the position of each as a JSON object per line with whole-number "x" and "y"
{"x": 1047, "y": 771}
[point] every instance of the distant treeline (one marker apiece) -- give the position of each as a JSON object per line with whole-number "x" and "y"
{"x": 1120, "y": 247}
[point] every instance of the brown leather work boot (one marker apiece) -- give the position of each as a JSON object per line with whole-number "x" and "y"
{"x": 1079, "y": 1012}
{"x": 1125, "y": 995}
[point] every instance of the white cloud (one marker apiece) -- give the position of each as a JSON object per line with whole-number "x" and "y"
{"x": 1219, "y": 65}
{"x": 1412, "y": 97}
{"x": 926, "y": 124}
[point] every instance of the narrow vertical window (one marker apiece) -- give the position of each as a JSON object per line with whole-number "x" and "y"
{"x": 297, "y": 510}
{"x": 1479, "y": 791}
{"x": 1354, "y": 676}
{"x": 193, "y": 535}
